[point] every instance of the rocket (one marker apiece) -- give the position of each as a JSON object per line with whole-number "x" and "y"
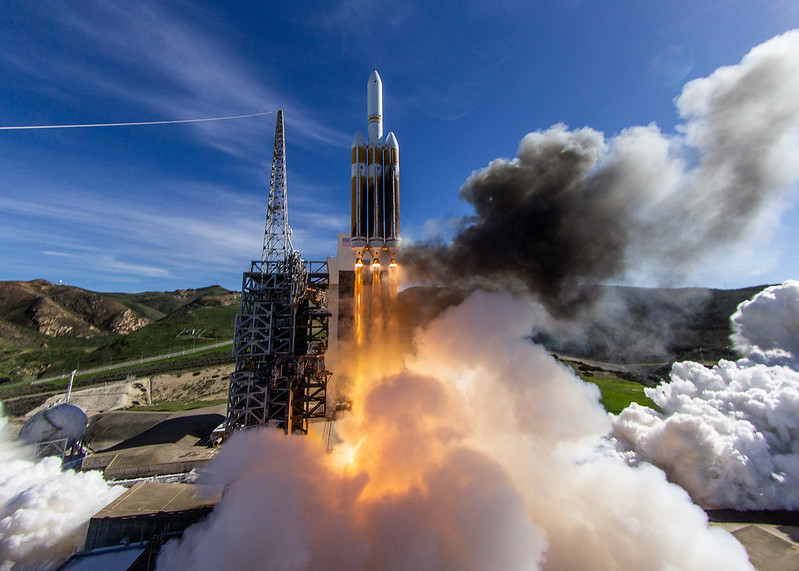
{"x": 375, "y": 183}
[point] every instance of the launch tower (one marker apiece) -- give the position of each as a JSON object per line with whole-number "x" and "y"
{"x": 280, "y": 334}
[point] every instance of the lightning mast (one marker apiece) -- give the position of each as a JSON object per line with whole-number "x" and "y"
{"x": 281, "y": 331}
{"x": 277, "y": 235}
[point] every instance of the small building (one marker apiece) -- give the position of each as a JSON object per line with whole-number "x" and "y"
{"x": 150, "y": 510}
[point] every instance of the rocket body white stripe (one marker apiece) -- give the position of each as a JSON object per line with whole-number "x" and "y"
{"x": 374, "y": 109}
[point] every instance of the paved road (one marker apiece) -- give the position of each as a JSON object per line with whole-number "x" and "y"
{"x": 135, "y": 362}
{"x": 640, "y": 370}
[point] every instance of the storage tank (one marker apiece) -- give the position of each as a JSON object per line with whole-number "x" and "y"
{"x": 60, "y": 422}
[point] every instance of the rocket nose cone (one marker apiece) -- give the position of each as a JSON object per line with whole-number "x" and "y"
{"x": 375, "y": 78}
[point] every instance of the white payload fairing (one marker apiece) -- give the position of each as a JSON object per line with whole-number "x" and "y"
{"x": 375, "y": 183}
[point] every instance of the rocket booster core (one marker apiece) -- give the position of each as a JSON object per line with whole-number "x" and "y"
{"x": 391, "y": 188}
{"x": 359, "y": 206}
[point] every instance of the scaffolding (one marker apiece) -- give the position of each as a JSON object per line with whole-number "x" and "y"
{"x": 281, "y": 332}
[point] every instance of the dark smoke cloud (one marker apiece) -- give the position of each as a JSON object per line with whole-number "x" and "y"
{"x": 574, "y": 209}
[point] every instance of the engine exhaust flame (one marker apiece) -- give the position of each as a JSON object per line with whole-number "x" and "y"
{"x": 376, "y": 292}
{"x": 358, "y": 304}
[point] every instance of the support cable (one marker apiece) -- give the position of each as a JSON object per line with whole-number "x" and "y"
{"x": 28, "y": 127}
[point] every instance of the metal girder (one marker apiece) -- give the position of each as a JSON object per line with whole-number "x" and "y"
{"x": 279, "y": 345}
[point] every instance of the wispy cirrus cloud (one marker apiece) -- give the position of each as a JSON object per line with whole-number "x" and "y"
{"x": 108, "y": 263}
{"x": 135, "y": 202}
{"x": 165, "y": 63}
{"x": 208, "y": 237}
{"x": 207, "y": 230}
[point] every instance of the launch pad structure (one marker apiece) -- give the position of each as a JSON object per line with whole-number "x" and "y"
{"x": 281, "y": 332}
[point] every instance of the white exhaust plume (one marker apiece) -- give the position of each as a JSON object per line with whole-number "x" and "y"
{"x": 766, "y": 329}
{"x": 729, "y": 435}
{"x": 484, "y": 453}
{"x": 44, "y": 511}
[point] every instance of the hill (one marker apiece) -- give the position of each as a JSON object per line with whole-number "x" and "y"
{"x": 629, "y": 337}
{"x": 634, "y": 325}
{"x": 48, "y": 327}
{"x": 622, "y": 325}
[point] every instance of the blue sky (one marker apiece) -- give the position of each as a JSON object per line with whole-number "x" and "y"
{"x": 174, "y": 206}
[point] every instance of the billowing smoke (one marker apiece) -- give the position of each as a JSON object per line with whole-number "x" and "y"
{"x": 575, "y": 209}
{"x": 483, "y": 453}
{"x": 629, "y": 325}
{"x": 44, "y": 511}
{"x": 729, "y": 435}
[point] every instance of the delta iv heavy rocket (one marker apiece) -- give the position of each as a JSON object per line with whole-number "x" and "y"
{"x": 375, "y": 184}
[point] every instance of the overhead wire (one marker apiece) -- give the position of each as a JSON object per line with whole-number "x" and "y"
{"x": 27, "y": 127}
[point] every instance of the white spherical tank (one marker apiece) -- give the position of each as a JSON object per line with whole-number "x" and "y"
{"x": 55, "y": 423}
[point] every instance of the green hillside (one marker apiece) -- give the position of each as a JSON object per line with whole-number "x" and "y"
{"x": 189, "y": 326}
{"x": 47, "y": 328}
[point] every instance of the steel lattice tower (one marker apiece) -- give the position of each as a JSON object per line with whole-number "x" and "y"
{"x": 281, "y": 331}
{"x": 277, "y": 235}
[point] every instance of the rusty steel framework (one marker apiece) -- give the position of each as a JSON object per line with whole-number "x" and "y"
{"x": 280, "y": 335}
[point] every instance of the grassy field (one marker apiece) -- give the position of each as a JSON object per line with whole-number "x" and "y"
{"x": 209, "y": 324}
{"x": 617, "y": 393}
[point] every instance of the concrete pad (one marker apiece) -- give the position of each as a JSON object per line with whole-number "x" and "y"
{"x": 144, "y": 498}
{"x": 122, "y": 429}
{"x": 767, "y": 552}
